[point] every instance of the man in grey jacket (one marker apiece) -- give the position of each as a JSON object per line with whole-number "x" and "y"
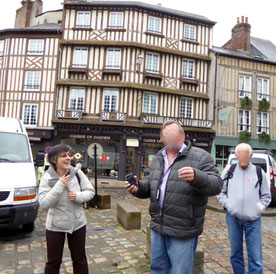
{"x": 245, "y": 197}
{"x": 180, "y": 180}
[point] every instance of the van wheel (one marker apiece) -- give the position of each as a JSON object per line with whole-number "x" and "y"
{"x": 28, "y": 227}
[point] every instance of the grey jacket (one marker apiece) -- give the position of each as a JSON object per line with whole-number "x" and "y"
{"x": 242, "y": 199}
{"x": 64, "y": 215}
{"x": 182, "y": 215}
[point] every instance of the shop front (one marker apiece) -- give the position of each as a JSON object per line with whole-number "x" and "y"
{"x": 39, "y": 139}
{"x": 223, "y": 145}
{"x": 121, "y": 149}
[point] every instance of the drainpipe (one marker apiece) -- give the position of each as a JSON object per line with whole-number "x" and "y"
{"x": 58, "y": 78}
{"x": 215, "y": 90}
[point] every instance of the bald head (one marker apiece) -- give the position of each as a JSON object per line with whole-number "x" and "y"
{"x": 243, "y": 153}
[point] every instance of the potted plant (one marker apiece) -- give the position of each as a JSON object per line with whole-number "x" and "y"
{"x": 264, "y": 137}
{"x": 245, "y": 136}
{"x": 264, "y": 105}
{"x": 246, "y": 103}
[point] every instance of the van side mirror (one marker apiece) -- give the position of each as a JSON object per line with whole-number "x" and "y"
{"x": 39, "y": 161}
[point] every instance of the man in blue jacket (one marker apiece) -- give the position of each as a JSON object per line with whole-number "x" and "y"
{"x": 245, "y": 195}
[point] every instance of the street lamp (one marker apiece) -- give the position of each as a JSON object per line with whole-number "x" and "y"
{"x": 139, "y": 62}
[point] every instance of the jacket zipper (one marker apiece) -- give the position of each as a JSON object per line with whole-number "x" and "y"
{"x": 162, "y": 209}
{"x": 242, "y": 194}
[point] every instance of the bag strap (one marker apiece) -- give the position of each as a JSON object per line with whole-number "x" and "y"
{"x": 78, "y": 178}
{"x": 260, "y": 177}
{"x": 229, "y": 176}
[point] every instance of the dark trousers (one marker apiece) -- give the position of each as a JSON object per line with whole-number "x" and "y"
{"x": 55, "y": 245}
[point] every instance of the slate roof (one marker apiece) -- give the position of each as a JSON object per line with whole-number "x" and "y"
{"x": 51, "y": 27}
{"x": 138, "y": 4}
{"x": 260, "y": 50}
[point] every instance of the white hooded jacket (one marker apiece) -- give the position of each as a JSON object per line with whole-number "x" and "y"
{"x": 64, "y": 215}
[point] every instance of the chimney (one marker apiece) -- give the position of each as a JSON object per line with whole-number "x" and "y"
{"x": 26, "y": 14}
{"x": 240, "y": 35}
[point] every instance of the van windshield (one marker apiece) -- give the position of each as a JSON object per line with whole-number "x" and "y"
{"x": 255, "y": 161}
{"x": 14, "y": 148}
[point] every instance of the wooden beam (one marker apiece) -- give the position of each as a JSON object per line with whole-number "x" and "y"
{"x": 135, "y": 45}
{"x": 111, "y": 84}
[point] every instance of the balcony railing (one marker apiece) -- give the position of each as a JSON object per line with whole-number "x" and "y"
{"x": 154, "y": 119}
{"x": 69, "y": 114}
{"x": 113, "y": 116}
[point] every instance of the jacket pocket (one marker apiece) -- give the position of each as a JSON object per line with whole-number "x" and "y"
{"x": 80, "y": 214}
{"x": 62, "y": 222}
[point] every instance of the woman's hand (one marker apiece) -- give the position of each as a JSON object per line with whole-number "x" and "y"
{"x": 72, "y": 195}
{"x": 64, "y": 179}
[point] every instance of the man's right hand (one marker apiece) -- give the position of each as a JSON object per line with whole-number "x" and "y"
{"x": 131, "y": 188}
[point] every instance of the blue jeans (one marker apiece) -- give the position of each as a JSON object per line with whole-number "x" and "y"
{"x": 253, "y": 238}
{"x": 168, "y": 253}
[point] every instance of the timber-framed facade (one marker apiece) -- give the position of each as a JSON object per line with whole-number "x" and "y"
{"x": 28, "y": 71}
{"x": 244, "y": 71}
{"x": 111, "y": 73}
{"x": 126, "y": 67}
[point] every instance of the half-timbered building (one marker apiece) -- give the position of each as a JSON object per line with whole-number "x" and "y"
{"x": 243, "y": 85}
{"x": 125, "y": 68}
{"x": 28, "y": 71}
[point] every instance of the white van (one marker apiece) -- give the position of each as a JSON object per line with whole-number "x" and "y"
{"x": 18, "y": 187}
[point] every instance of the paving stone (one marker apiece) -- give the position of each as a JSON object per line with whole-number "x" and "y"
{"x": 112, "y": 249}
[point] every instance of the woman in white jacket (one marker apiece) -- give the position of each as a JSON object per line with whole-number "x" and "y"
{"x": 62, "y": 191}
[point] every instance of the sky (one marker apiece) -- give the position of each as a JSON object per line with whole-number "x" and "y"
{"x": 261, "y": 14}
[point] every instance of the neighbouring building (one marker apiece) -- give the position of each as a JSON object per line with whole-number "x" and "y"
{"x": 243, "y": 83}
{"x": 28, "y": 72}
{"x": 125, "y": 68}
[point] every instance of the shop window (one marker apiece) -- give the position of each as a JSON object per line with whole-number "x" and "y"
{"x": 149, "y": 150}
{"x": 222, "y": 154}
{"x": 108, "y": 160}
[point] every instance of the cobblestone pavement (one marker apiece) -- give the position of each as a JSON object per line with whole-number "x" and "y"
{"x": 111, "y": 249}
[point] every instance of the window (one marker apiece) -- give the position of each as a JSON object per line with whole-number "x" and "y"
{"x": 262, "y": 122}
{"x": 35, "y": 47}
{"x": 154, "y": 25}
{"x": 1, "y": 47}
{"x": 116, "y": 20}
{"x": 244, "y": 86}
{"x": 150, "y": 103}
{"x": 113, "y": 59}
{"x": 186, "y": 107}
{"x": 32, "y": 80}
{"x": 30, "y": 114}
{"x": 76, "y": 99}
{"x": 188, "y": 69}
{"x": 244, "y": 120}
{"x": 83, "y": 19}
{"x": 222, "y": 154}
{"x": 110, "y": 100}
{"x": 152, "y": 63}
{"x": 190, "y": 32}
{"x": 262, "y": 89}
{"x": 80, "y": 57}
